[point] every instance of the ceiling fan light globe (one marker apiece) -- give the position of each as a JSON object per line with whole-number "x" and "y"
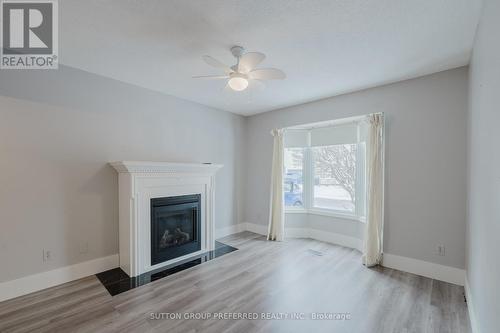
{"x": 238, "y": 83}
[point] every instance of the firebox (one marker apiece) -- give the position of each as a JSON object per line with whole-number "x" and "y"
{"x": 175, "y": 227}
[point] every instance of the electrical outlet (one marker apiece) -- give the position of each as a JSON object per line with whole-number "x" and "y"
{"x": 84, "y": 247}
{"x": 441, "y": 250}
{"x": 47, "y": 255}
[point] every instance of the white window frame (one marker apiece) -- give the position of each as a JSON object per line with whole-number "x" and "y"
{"x": 308, "y": 187}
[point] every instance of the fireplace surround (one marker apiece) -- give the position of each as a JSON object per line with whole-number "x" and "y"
{"x": 144, "y": 186}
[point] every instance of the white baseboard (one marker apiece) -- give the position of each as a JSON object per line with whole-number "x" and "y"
{"x": 256, "y": 228}
{"x": 424, "y": 268}
{"x": 229, "y": 230}
{"x": 39, "y": 281}
{"x": 36, "y": 282}
{"x": 297, "y": 233}
{"x": 470, "y": 307}
{"x": 410, "y": 265}
{"x": 339, "y": 239}
{"x": 324, "y": 236}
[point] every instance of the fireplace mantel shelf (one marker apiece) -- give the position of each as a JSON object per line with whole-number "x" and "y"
{"x": 164, "y": 167}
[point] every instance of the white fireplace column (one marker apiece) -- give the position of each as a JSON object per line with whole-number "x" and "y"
{"x": 138, "y": 183}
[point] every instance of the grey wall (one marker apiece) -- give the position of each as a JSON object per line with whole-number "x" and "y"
{"x": 58, "y": 131}
{"x": 425, "y": 162}
{"x": 483, "y": 236}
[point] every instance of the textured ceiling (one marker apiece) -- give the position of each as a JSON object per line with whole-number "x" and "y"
{"x": 326, "y": 47}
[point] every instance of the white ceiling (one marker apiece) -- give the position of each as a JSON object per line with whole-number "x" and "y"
{"x": 326, "y": 47}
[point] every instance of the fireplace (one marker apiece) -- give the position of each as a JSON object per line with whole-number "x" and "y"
{"x": 151, "y": 199}
{"x": 175, "y": 227}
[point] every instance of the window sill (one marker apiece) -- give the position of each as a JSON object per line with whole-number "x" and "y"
{"x": 330, "y": 213}
{"x": 325, "y": 212}
{"x": 295, "y": 211}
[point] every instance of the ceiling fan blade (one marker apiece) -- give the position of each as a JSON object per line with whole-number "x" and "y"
{"x": 249, "y": 61}
{"x": 216, "y": 63}
{"x": 267, "y": 74}
{"x": 211, "y": 77}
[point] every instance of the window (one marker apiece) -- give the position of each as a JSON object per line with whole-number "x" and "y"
{"x": 335, "y": 177}
{"x": 325, "y": 170}
{"x": 294, "y": 177}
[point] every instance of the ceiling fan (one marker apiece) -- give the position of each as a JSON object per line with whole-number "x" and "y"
{"x": 244, "y": 70}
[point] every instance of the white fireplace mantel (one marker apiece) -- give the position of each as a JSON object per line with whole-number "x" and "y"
{"x": 138, "y": 183}
{"x": 161, "y": 167}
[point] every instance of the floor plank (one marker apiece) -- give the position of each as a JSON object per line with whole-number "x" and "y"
{"x": 299, "y": 276}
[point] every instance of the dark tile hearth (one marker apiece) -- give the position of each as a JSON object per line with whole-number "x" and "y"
{"x": 117, "y": 281}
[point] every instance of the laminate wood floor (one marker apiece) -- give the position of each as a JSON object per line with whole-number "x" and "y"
{"x": 299, "y": 276}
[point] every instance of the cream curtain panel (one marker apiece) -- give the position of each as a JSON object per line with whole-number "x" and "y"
{"x": 276, "y": 229}
{"x": 372, "y": 243}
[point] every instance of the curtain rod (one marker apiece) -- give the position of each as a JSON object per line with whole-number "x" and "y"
{"x": 326, "y": 123}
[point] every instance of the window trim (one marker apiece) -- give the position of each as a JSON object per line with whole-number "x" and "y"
{"x": 333, "y": 213}
{"x": 308, "y": 187}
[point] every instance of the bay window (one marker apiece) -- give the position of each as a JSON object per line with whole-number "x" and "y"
{"x": 325, "y": 170}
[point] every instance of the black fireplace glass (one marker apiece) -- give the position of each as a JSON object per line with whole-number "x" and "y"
{"x": 175, "y": 227}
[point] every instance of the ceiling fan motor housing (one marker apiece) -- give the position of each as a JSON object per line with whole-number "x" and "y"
{"x": 237, "y": 51}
